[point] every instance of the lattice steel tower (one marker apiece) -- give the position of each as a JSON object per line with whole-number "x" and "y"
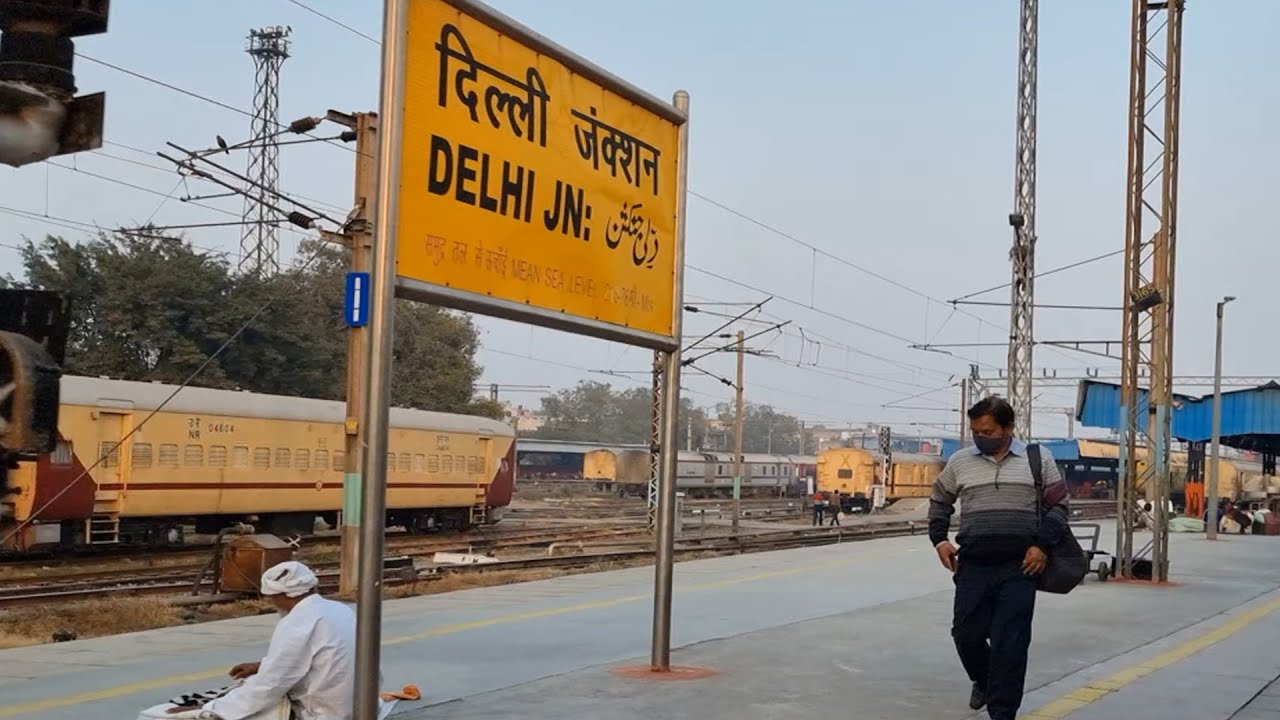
{"x": 260, "y": 243}
{"x": 1155, "y": 101}
{"x": 1023, "y": 221}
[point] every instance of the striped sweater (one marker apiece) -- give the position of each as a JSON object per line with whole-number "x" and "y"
{"x": 998, "y": 514}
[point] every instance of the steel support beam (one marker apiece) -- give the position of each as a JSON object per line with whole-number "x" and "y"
{"x": 1150, "y": 250}
{"x": 1023, "y": 220}
{"x": 655, "y": 442}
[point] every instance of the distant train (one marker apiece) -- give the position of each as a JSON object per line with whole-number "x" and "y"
{"x": 211, "y": 458}
{"x": 1090, "y": 468}
{"x": 701, "y": 474}
{"x": 855, "y": 472}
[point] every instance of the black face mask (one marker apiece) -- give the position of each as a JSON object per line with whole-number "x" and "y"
{"x": 989, "y": 445}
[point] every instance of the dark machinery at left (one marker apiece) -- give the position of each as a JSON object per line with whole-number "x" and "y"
{"x": 33, "y": 340}
{"x": 40, "y": 114}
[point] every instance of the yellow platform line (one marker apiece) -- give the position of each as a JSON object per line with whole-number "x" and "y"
{"x": 1097, "y": 689}
{"x": 162, "y": 682}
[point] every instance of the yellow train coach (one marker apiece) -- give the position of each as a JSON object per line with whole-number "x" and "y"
{"x": 216, "y": 457}
{"x": 853, "y": 471}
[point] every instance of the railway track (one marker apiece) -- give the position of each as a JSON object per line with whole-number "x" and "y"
{"x": 629, "y": 542}
{"x": 174, "y": 583}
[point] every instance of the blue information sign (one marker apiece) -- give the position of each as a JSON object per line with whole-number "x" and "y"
{"x": 355, "y": 308}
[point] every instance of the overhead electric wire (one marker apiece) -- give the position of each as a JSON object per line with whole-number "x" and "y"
{"x": 169, "y": 170}
{"x": 192, "y": 94}
{"x": 339, "y": 23}
{"x": 284, "y": 225}
{"x": 86, "y": 227}
{"x": 1046, "y": 273}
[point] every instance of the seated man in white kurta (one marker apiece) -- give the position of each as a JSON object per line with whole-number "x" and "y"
{"x": 310, "y": 663}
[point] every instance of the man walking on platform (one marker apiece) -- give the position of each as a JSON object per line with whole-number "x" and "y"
{"x": 1006, "y": 527}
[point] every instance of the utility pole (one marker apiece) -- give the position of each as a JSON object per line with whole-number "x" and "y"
{"x": 357, "y": 236}
{"x": 1023, "y": 221}
{"x": 1212, "y": 524}
{"x": 688, "y": 433}
{"x": 803, "y": 444}
{"x": 1155, "y": 76}
{"x": 964, "y": 411}
{"x": 737, "y": 443}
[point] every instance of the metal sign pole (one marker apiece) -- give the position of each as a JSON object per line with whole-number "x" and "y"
{"x": 377, "y": 381}
{"x": 664, "y": 542}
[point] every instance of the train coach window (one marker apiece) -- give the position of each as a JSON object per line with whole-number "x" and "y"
{"x": 460, "y": 463}
{"x": 404, "y": 462}
{"x": 339, "y": 460}
{"x": 217, "y": 456}
{"x": 419, "y": 462}
{"x": 473, "y": 464}
{"x": 168, "y": 455}
{"x": 262, "y": 458}
{"x": 284, "y": 458}
{"x": 193, "y": 455}
{"x": 446, "y": 464}
{"x": 391, "y": 462}
{"x": 142, "y": 457}
{"x": 433, "y": 463}
{"x": 322, "y": 459}
{"x": 302, "y": 459}
{"x": 240, "y": 456}
{"x": 845, "y": 473}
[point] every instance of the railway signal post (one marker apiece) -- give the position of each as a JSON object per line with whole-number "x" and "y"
{"x": 568, "y": 235}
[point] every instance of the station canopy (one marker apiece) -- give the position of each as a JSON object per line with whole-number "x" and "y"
{"x": 1250, "y": 417}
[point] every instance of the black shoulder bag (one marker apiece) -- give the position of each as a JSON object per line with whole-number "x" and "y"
{"x": 1067, "y": 564}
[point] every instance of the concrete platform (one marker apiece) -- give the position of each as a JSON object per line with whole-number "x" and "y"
{"x": 856, "y": 630}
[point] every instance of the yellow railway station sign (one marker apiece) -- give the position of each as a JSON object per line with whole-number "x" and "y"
{"x": 534, "y": 185}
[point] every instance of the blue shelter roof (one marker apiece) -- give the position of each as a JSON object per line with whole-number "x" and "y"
{"x": 1250, "y": 417}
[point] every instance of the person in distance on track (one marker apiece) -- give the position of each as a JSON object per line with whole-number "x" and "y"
{"x": 310, "y": 661}
{"x": 1003, "y": 540}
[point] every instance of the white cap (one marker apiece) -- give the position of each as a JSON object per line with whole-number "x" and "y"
{"x": 290, "y": 578}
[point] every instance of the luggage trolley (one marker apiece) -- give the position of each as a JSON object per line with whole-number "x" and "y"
{"x": 1089, "y": 543}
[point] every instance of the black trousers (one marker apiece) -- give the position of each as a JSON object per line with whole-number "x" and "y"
{"x": 992, "y": 629}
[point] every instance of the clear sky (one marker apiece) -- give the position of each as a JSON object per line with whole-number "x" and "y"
{"x": 881, "y": 132}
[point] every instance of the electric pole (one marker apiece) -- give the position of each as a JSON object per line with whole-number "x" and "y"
{"x": 357, "y": 236}
{"x": 1023, "y": 221}
{"x": 737, "y": 443}
{"x": 1155, "y": 75}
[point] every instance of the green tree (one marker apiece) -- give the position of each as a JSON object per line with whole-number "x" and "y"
{"x": 764, "y": 430}
{"x": 596, "y": 412}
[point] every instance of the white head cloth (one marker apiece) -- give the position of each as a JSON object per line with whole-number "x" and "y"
{"x": 290, "y": 578}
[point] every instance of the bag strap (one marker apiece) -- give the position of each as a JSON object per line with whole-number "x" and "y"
{"x": 1037, "y": 472}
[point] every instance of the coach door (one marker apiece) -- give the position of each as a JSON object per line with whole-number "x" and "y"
{"x": 112, "y": 472}
{"x": 482, "y": 474}
{"x": 112, "y": 457}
